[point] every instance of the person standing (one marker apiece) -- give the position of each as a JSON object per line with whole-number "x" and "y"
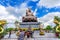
{"x": 29, "y": 32}
{"x": 9, "y": 34}
{"x": 21, "y": 36}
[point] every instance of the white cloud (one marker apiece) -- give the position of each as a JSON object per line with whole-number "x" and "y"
{"x": 48, "y": 19}
{"x": 4, "y": 14}
{"x": 3, "y": 10}
{"x": 49, "y": 16}
{"x": 11, "y": 9}
{"x": 50, "y": 22}
{"x": 9, "y": 12}
{"x": 21, "y": 10}
{"x": 49, "y": 3}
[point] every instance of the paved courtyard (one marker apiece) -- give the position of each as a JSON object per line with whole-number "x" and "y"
{"x": 47, "y": 36}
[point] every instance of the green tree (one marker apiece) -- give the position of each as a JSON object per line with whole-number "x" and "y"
{"x": 9, "y": 29}
{"x": 48, "y": 28}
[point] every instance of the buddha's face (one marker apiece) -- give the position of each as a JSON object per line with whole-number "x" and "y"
{"x": 28, "y": 10}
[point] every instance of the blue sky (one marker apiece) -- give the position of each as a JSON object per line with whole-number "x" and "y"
{"x": 44, "y": 10}
{"x": 33, "y": 4}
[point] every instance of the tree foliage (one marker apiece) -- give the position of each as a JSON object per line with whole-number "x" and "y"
{"x": 48, "y": 27}
{"x": 9, "y": 29}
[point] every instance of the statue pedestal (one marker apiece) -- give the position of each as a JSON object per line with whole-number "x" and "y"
{"x": 29, "y": 19}
{"x": 25, "y": 25}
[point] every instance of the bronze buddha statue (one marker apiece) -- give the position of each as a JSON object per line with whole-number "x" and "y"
{"x": 29, "y": 17}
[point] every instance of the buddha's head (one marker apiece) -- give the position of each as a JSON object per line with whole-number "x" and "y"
{"x": 28, "y": 10}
